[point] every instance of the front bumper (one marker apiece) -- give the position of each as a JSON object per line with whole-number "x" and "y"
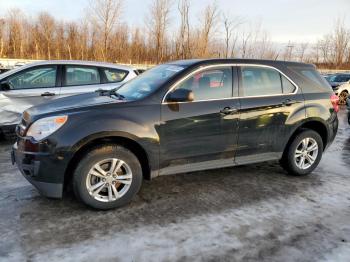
{"x": 39, "y": 168}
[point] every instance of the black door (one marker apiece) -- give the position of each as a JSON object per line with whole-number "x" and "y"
{"x": 201, "y": 134}
{"x": 270, "y": 104}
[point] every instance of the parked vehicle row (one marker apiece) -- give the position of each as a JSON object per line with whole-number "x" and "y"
{"x": 341, "y": 85}
{"x": 3, "y": 70}
{"x": 338, "y": 79}
{"x": 178, "y": 117}
{"x": 40, "y": 82}
{"x": 342, "y": 92}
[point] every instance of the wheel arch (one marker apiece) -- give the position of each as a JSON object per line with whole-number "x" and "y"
{"x": 125, "y": 140}
{"x": 316, "y": 125}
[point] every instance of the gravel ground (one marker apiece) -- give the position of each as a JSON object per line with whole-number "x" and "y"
{"x": 247, "y": 213}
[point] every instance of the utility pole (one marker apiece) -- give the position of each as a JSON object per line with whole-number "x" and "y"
{"x": 290, "y": 47}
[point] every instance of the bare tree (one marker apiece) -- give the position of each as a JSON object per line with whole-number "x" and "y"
{"x": 84, "y": 40}
{"x": 2, "y": 36}
{"x": 208, "y": 24}
{"x": 183, "y": 45}
{"x": 340, "y": 39}
{"x": 103, "y": 36}
{"x": 245, "y": 37}
{"x": 72, "y": 40}
{"x": 301, "y": 49}
{"x": 158, "y": 21}
{"x": 15, "y": 23}
{"x": 324, "y": 46}
{"x": 231, "y": 25}
{"x": 47, "y": 26}
{"x": 105, "y": 15}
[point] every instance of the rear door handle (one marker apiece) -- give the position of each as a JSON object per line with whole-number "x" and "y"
{"x": 288, "y": 102}
{"x": 48, "y": 94}
{"x": 228, "y": 110}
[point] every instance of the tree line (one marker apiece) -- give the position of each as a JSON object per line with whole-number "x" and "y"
{"x": 105, "y": 35}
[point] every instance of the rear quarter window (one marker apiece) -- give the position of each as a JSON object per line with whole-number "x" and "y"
{"x": 310, "y": 79}
{"x": 114, "y": 75}
{"x": 313, "y": 76}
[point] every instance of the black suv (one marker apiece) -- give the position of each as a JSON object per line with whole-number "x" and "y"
{"x": 177, "y": 117}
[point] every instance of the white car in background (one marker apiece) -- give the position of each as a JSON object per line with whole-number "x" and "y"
{"x": 342, "y": 92}
{"x": 32, "y": 84}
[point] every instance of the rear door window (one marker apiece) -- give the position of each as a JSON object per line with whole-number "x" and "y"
{"x": 260, "y": 81}
{"x": 81, "y": 75}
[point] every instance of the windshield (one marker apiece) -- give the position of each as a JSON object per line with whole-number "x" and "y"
{"x": 148, "y": 82}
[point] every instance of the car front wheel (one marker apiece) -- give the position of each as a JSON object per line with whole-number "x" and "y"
{"x": 303, "y": 155}
{"x": 107, "y": 177}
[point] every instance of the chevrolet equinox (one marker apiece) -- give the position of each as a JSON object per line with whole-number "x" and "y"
{"x": 178, "y": 117}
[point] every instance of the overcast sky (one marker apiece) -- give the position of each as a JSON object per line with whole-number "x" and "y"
{"x": 294, "y": 20}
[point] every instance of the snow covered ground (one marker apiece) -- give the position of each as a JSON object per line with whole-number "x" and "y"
{"x": 247, "y": 213}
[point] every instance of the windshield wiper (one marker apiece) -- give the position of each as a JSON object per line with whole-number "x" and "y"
{"x": 114, "y": 92}
{"x": 110, "y": 93}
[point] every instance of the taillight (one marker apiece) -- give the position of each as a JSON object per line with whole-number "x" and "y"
{"x": 335, "y": 102}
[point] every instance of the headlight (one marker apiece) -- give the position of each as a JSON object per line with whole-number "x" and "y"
{"x": 46, "y": 126}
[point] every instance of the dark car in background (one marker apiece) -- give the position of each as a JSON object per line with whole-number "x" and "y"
{"x": 338, "y": 79}
{"x": 3, "y": 70}
{"x": 178, "y": 117}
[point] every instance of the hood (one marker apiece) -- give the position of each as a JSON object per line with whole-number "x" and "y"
{"x": 71, "y": 102}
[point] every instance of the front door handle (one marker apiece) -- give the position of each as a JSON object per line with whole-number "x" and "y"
{"x": 288, "y": 102}
{"x": 228, "y": 110}
{"x": 48, "y": 94}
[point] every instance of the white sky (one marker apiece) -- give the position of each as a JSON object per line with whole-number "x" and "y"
{"x": 294, "y": 20}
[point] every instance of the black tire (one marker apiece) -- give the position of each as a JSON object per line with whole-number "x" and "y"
{"x": 8, "y": 134}
{"x": 288, "y": 160}
{"x": 96, "y": 155}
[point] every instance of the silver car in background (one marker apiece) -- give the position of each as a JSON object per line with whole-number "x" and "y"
{"x": 32, "y": 84}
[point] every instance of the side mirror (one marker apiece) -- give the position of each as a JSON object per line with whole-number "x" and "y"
{"x": 180, "y": 95}
{"x": 5, "y": 86}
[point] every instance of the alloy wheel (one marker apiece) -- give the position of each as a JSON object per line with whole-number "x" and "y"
{"x": 306, "y": 153}
{"x": 109, "y": 179}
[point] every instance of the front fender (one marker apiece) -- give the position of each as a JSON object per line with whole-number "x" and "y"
{"x": 133, "y": 123}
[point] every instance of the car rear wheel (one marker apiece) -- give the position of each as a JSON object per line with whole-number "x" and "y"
{"x": 304, "y": 153}
{"x": 107, "y": 177}
{"x": 342, "y": 97}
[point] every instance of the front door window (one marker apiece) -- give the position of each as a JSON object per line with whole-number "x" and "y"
{"x": 39, "y": 77}
{"x": 209, "y": 84}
